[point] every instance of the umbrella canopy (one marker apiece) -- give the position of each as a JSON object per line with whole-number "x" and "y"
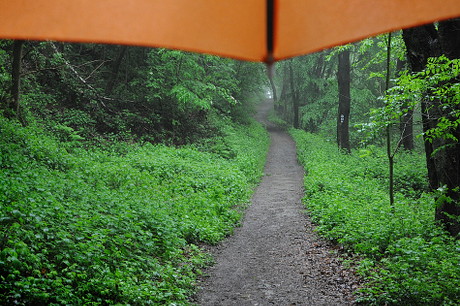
{"x": 255, "y": 30}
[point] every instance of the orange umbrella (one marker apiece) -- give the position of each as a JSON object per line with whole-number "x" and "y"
{"x": 255, "y": 30}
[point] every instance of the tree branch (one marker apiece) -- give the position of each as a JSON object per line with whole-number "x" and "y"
{"x": 85, "y": 82}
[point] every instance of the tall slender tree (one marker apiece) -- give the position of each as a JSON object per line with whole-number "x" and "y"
{"x": 284, "y": 95}
{"x": 406, "y": 125}
{"x": 271, "y": 76}
{"x": 343, "y": 78}
{"x": 115, "y": 70}
{"x": 13, "y": 104}
{"x": 442, "y": 155}
{"x": 295, "y": 98}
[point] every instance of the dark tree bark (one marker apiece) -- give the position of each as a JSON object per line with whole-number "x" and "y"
{"x": 318, "y": 72}
{"x": 444, "y": 165}
{"x": 422, "y": 43}
{"x": 284, "y": 96}
{"x": 343, "y": 79}
{"x": 448, "y": 160}
{"x": 449, "y": 34}
{"x": 13, "y": 104}
{"x": 295, "y": 98}
{"x": 115, "y": 69}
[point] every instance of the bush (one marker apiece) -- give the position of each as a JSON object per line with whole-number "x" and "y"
{"x": 406, "y": 258}
{"x": 114, "y": 226}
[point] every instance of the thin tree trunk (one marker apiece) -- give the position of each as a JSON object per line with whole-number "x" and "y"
{"x": 406, "y": 125}
{"x": 115, "y": 69}
{"x": 390, "y": 154}
{"x": 343, "y": 79}
{"x": 271, "y": 75}
{"x": 295, "y": 100}
{"x": 284, "y": 96}
{"x": 407, "y": 130}
{"x": 13, "y": 105}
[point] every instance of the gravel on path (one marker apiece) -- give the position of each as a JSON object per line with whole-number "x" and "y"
{"x": 275, "y": 258}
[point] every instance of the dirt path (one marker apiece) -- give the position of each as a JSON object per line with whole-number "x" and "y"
{"x": 275, "y": 258}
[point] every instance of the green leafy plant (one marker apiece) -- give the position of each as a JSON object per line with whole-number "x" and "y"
{"x": 433, "y": 83}
{"x": 406, "y": 257}
{"x": 119, "y": 224}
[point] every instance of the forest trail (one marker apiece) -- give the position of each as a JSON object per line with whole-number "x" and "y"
{"x": 275, "y": 258}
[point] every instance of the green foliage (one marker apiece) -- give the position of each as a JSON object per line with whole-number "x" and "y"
{"x": 5, "y": 76}
{"x": 372, "y": 54}
{"x": 129, "y": 93}
{"x": 273, "y": 118}
{"x": 409, "y": 180}
{"x": 119, "y": 225}
{"x": 406, "y": 258}
{"x": 186, "y": 90}
{"x": 91, "y": 212}
{"x": 437, "y": 85}
{"x": 440, "y": 79}
{"x": 417, "y": 271}
{"x": 241, "y": 143}
{"x": 315, "y": 86}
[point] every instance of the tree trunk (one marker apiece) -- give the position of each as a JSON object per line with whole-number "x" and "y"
{"x": 443, "y": 166}
{"x": 295, "y": 100}
{"x": 13, "y": 105}
{"x": 422, "y": 43}
{"x": 271, "y": 76}
{"x": 448, "y": 161}
{"x": 284, "y": 96}
{"x": 406, "y": 125}
{"x": 407, "y": 130}
{"x": 449, "y": 34}
{"x": 115, "y": 69}
{"x": 343, "y": 79}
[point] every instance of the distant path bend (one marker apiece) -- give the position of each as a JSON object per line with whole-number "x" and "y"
{"x": 275, "y": 258}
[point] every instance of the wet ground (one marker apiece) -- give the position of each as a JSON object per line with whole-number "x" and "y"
{"x": 275, "y": 258}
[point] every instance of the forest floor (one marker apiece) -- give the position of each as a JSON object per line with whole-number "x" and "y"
{"x": 275, "y": 257}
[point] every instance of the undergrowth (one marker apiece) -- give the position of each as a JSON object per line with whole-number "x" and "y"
{"x": 119, "y": 224}
{"x": 406, "y": 258}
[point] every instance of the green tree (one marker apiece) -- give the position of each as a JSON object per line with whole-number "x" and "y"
{"x": 11, "y": 91}
{"x": 107, "y": 91}
{"x": 439, "y": 109}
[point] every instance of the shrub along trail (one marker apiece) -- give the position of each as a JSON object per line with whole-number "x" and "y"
{"x": 275, "y": 258}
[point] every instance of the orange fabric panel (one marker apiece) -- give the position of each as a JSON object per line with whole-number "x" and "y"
{"x": 305, "y": 26}
{"x": 233, "y": 28}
